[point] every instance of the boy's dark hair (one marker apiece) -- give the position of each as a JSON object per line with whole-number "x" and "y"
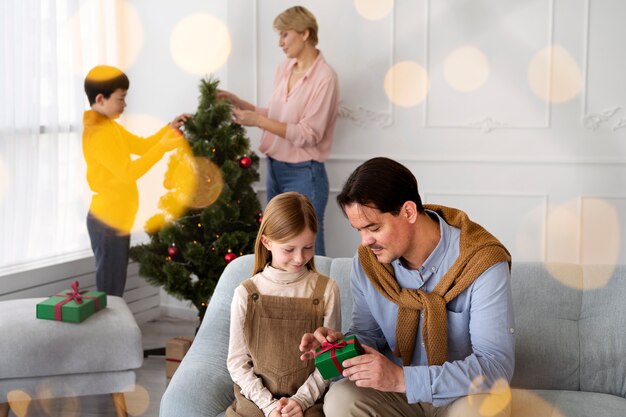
{"x": 105, "y": 80}
{"x": 380, "y": 183}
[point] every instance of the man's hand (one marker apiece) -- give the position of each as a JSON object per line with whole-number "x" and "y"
{"x": 374, "y": 370}
{"x": 287, "y": 408}
{"x": 311, "y": 341}
{"x": 180, "y": 120}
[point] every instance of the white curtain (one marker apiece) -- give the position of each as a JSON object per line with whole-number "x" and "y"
{"x": 46, "y": 48}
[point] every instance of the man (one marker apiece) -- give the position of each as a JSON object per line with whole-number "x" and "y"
{"x": 432, "y": 306}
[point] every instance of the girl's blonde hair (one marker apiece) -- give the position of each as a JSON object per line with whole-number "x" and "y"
{"x": 285, "y": 217}
{"x": 299, "y": 19}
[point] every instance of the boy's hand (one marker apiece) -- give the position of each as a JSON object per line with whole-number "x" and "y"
{"x": 171, "y": 140}
{"x": 311, "y": 341}
{"x": 180, "y": 120}
{"x": 287, "y": 408}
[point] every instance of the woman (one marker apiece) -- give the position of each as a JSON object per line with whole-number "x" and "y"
{"x": 299, "y": 122}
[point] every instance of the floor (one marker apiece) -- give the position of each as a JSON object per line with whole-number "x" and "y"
{"x": 150, "y": 383}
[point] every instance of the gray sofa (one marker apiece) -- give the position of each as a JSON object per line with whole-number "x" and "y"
{"x": 570, "y": 343}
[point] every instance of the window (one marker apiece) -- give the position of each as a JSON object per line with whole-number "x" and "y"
{"x": 46, "y": 47}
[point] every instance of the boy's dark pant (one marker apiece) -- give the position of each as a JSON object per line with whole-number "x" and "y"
{"x": 111, "y": 252}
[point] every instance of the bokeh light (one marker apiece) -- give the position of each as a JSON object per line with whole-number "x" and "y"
{"x": 591, "y": 229}
{"x": 120, "y": 39}
{"x": 19, "y": 401}
{"x": 57, "y": 399}
{"x": 466, "y": 69}
{"x": 137, "y": 400}
{"x": 210, "y": 183}
{"x": 200, "y": 44}
{"x": 494, "y": 401}
{"x": 562, "y": 230}
{"x": 600, "y": 241}
{"x": 406, "y": 84}
{"x": 554, "y": 76}
{"x": 373, "y": 9}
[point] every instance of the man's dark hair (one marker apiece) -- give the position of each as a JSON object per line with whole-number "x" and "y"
{"x": 105, "y": 80}
{"x": 380, "y": 183}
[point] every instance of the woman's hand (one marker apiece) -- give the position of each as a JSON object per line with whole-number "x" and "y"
{"x": 246, "y": 117}
{"x": 228, "y": 96}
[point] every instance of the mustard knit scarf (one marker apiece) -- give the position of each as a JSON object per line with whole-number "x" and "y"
{"x": 478, "y": 251}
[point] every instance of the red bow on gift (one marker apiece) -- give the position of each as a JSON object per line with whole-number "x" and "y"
{"x": 73, "y": 295}
{"x": 333, "y": 346}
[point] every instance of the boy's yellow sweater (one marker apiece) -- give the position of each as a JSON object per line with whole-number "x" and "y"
{"x": 111, "y": 173}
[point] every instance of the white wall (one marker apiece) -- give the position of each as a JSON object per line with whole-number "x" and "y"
{"x": 545, "y": 175}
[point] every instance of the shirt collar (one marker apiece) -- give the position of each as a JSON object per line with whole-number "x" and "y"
{"x": 91, "y": 117}
{"x": 316, "y": 63}
{"x": 435, "y": 259}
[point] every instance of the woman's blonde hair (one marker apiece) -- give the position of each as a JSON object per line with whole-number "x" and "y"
{"x": 286, "y": 216}
{"x": 299, "y": 19}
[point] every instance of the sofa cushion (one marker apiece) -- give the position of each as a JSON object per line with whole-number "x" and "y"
{"x": 110, "y": 340}
{"x": 603, "y": 330}
{"x": 557, "y": 403}
{"x": 547, "y": 345}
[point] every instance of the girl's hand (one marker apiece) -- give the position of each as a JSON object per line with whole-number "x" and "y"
{"x": 287, "y": 408}
{"x": 311, "y": 341}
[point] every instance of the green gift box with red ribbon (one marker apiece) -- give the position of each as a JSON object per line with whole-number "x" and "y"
{"x": 329, "y": 356}
{"x": 72, "y": 305}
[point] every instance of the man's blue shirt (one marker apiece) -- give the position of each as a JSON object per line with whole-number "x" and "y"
{"x": 480, "y": 325}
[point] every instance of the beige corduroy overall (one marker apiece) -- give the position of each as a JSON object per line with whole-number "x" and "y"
{"x": 273, "y": 328}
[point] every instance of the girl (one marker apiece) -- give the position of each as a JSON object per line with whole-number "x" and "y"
{"x": 284, "y": 299}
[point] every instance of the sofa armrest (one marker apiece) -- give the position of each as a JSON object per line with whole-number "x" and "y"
{"x": 201, "y": 386}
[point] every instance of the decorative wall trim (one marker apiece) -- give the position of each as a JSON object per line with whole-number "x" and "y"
{"x": 361, "y": 116}
{"x": 619, "y": 125}
{"x": 593, "y": 120}
{"x": 488, "y": 124}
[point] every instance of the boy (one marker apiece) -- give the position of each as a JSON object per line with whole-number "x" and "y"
{"x": 111, "y": 173}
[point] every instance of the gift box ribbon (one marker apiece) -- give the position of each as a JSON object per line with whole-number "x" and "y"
{"x": 333, "y": 346}
{"x": 73, "y": 295}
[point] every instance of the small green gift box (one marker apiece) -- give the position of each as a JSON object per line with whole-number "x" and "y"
{"x": 329, "y": 356}
{"x": 72, "y": 305}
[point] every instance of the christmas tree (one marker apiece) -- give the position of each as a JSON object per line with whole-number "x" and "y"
{"x": 210, "y": 214}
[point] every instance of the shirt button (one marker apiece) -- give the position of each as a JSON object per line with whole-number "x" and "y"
{"x": 511, "y": 330}
{"x": 316, "y": 301}
{"x": 423, "y": 344}
{"x": 434, "y": 269}
{"x": 422, "y": 315}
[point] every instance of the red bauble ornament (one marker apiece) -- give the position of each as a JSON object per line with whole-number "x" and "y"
{"x": 259, "y": 217}
{"x": 245, "y": 161}
{"x": 172, "y": 250}
{"x": 229, "y": 257}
